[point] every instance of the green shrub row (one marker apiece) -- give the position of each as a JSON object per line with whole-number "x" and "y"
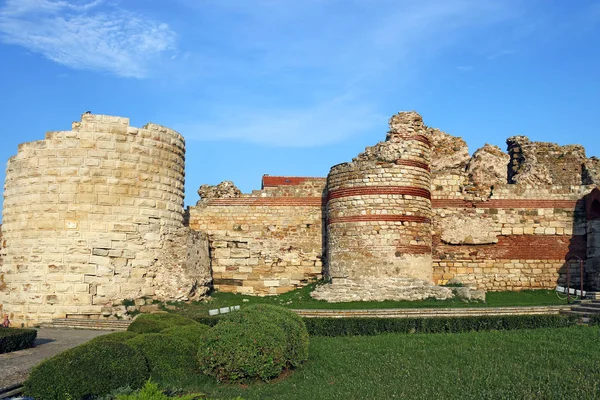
{"x": 375, "y": 326}
{"x": 121, "y": 359}
{"x": 13, "y": 339}
{"x": 93, "y": 369}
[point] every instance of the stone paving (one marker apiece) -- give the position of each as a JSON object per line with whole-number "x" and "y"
{"x": 15, "y": 366}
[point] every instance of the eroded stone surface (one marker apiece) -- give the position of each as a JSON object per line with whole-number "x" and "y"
{"x": 542, "y": 163}
{"x": 467, "y": 229}
{"x": 488, "y": 167}
{"x": 377, "y": 289}
{"x": 223, "y": 190}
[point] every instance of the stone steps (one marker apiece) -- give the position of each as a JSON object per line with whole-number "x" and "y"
{"x": 584, "y": 308}
{"x": 431, "y": 312}
{"x": 86, "y": 323}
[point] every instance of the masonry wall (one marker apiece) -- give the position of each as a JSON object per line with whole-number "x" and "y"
{"x": 93, "y": 216}
{"x": 520, "y": 238}
{"x": 266, "y": 242}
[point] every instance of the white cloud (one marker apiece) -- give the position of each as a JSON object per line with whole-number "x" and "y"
{"x": 325, "y": 123}
{"x": 84, "y": 35}
{"x": 314, "y": 50}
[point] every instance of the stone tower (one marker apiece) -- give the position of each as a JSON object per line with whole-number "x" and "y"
{"x": 93, "y": 216}
{"x": 378, "y": 218}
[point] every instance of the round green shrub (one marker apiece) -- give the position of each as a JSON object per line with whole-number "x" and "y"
{"x": 92, "y": 369}
{"x": 192, "y": 333}
{"x": 240, "y": 352}
{"x": 154, "y": 323}
{"x": 168, "y": 357}
{"x": 115, "y": 337}
{"x": 291, "y": 323}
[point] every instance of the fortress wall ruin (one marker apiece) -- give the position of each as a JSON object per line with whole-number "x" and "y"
{"x": 93, "y": 216}
{"x": 266, "y": 242}
{"x": 520, "y": 238}
{"x": 379, "y": 214}
{"x": 484, "y": 231}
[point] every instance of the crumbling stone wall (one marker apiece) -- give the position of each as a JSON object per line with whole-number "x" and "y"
{"x": 378, "y": 218}
{"x": 93, "y": 216}
{"x": 266, "y": 242}
{"x": 379, "y": 208}
{"x": 541, "y": 163}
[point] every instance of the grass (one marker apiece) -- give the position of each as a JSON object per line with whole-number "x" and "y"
{"x": 526, "y": 364}
{"x": 300, "y": 299}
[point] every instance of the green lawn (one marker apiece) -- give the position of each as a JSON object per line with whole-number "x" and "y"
{"x": 526, "y": 364}
{"x": 300, "y": 299}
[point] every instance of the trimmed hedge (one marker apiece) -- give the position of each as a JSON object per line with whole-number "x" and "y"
{"x": 14, "y": 339}
{"x": 243, "y": 352}
{"x": 375, "y": 326}
{"x": 168, "y": 357}
{"x": 92, "y": 369}
{"x": 115, "y": 337}
{"x": 192, "y": 333}
{"x": 290, "y": 322}
{"x": 154, "y": 323}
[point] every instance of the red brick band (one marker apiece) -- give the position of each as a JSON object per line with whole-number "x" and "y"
{"x": 378, "y": 218}
{"x": 375, "y": 190}
{"x": 274, "y": 181}
{"x": 516, "y": 247}
{"x": 419, "y": 138}
{"x": 268, "y": 201}
{"x": 503, "y": 203}
{"x": 411, "y": 163}
{"x": 414, "y": 249}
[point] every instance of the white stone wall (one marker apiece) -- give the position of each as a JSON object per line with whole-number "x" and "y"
{"x": 93, "y": 216}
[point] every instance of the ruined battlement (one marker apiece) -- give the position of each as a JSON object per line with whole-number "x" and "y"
{"x": 95, "y": 215}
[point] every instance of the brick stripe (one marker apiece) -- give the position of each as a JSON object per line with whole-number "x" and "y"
{"x": 411, "y": 163}
{"x": 375, "y": 190}
{"x": 268, "y": 201}
{"x": 503, "y": 203}
{"x": 414, "y": 249}
{"x": 419, "y": 138}
{"x": 378, "y": 218}
{"x": 516, "y": 247}
{"x": 451, "y": 203}
{"x": 274, "y": 181}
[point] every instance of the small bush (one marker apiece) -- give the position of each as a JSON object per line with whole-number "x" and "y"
{"x": 88, "y": 370}
{"x": 154, "y": 323}
{"x": 192, "y": 333}
{"x": 13, "y": 339}
{"x": 375, "y": 326}
{"x": 116, "y": 337}
{"x": 241, "y": 352}
{"x": 150, "y": 391}
{"x": 290, "y": 322}
{"x": 168, "y": 357}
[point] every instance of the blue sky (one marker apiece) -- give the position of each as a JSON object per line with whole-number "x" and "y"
{"x": 292, "y": 87}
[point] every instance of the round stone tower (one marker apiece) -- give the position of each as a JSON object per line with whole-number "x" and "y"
{"x": 88, "y": 217}
{"x": 379, "y": 207}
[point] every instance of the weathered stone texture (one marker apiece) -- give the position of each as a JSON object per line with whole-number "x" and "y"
{"x": 379, "y": 208}
{"x": 93, "y": 216}
{"x": 488, "y": 168}
{"x": 591, "y": 171}
{"x": 223, "y": 190}
{"x": 268, "y": 242}
{"x": 541, "y": 163}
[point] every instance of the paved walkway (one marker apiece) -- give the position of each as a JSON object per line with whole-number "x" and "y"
{"x": 15, "y": 366}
